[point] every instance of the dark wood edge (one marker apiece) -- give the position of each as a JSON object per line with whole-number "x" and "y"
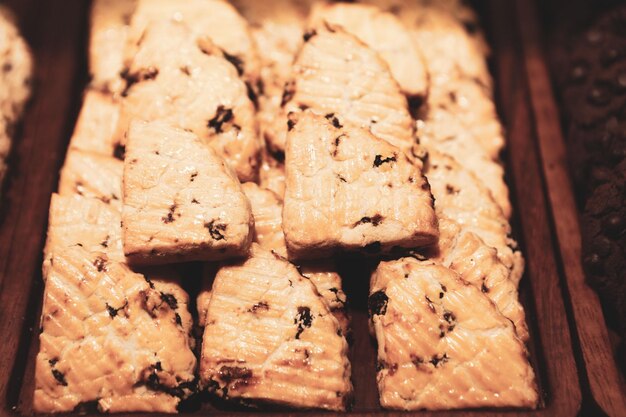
{"x": 602, "y": 375}
{"x": 562, "y": 393}
{"x": 37, "y": 154}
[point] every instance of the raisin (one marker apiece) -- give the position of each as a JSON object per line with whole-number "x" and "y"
{"x": 333, "y": 119}
{"x": 230, "y": 373}
{"x": 308, "y": 35}
{"x": 216, "y": 230}
{"x": 170, "y": 300}
{"x": 222, "y": 116}
{"x": 236, "y": 61}
{"x": 377, "y": 303}
{"x": 379, "y": 160}
{"x": 303, "y": 320}
{"x": 374, "y": 221}
{"x": 59, "y": 376}
{"x": 100, "y": 264}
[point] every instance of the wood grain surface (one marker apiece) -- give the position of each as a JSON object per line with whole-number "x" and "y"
{"x": 56, "y": 29}
{"x": 605, "y": 382}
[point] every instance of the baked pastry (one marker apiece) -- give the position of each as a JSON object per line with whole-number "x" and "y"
{"x": 84, "y": 222}
{"x": 348, "y": 190}
{"x": 214, "y": 19}
{"x": 385, "y": 34}
{"x": 336, "y": 73}
{"x": 287, "y": 348}
{"x": 476, "y": 263}
{"x": 442, "y": 344}
{"x": 267, "y": 212}
{"x": 187, "y": 82}
{"x": 92, "y": 175}
{"x": 103, "y": 324}
{"x": 110, "y": 336}
{"x": 181, "y": 201}
{"x": 462, "y": 198}
{"x": 108, "y": 34}
{"x": 96, "y": 125}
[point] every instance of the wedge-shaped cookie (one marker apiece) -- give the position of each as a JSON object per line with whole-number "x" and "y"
{"x": 92, "y": 175}
{"x": 181, "y": 201}
{"x": 463, "y": 198}
{"x": 385, "y": 34}
{"x": 95, "y": 128}
{"x": 176, "y": 78}
{"x": 465, "y": 108}
{"x": 216, "y": 19}
{"x": 442, "y": 344}
{"x": 267, "y": 211}
{"x": 111, "y": 337}
{"x": 461, "y": 145}
{"x": 108, "y": 36}
{"x": 475, "y": 262}
{"x": 88, "y": 223}
{"x": 348, "y": 190}
{"x": 336, "y": 73}
{"x": 270, "y": 338}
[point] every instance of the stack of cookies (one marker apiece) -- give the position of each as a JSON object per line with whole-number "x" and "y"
{"x": 264, "y": 140}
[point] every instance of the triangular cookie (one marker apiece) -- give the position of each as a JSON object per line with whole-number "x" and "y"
{"x": 181, "y": 201}
{"x": 111, "y": 336}
{"x": 335, "y": 72}
{"x": 348, "y": 190}
{"x": 177, "y": 78}
{"x": 270, "y": 338}
{"x": 442, "y": 344}
{"x": 385, "y": 34}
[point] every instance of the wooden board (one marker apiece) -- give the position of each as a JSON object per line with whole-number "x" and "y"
{"x": 57, "y": 30}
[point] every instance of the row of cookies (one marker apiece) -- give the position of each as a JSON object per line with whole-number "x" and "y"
{"x": 85, "y": 229}
{"x": 16, "y": 72}
{"x": 475, "y": 241}
{"x": 181, "y": 202}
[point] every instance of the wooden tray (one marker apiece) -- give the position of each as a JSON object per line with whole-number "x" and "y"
{"x": 57, "y": 29}
{"x": 601, "y": 380}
